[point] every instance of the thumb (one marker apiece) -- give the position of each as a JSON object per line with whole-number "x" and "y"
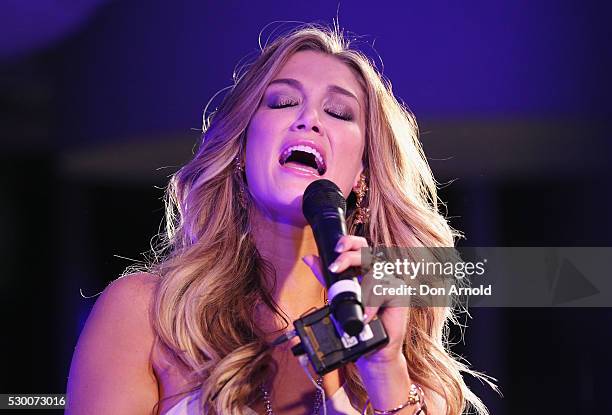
{"x": 314, "y": 263}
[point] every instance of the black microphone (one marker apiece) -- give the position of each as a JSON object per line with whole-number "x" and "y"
{"x": 324, "y": 207}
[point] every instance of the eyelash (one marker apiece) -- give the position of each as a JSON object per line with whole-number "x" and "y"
{"x": 284, "y": 104}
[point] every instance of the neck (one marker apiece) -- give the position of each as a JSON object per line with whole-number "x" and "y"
{"x": 283, "y": 245}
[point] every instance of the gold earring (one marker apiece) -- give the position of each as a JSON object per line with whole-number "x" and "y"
{"x": 239, "y": 172}
{"x": 362, "y": 212}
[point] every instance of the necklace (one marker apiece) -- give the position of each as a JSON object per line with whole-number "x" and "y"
{"x": 317, "y": 404}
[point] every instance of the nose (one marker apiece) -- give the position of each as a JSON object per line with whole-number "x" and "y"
{"x": 308, "y": 120}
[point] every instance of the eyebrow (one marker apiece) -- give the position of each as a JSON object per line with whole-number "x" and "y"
{"x": 331, "y": 88}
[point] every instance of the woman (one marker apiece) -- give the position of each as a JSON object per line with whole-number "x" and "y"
{"x": 193, "y": 334}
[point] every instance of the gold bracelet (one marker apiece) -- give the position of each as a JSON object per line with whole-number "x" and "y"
{"x": 415, "y": 397}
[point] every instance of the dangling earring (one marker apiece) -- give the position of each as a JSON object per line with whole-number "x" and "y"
{"x": 239, "y": 172}
{"x": 362, "y": 212}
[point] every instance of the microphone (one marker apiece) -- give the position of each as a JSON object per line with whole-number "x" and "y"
{"x": 324, "y": 208}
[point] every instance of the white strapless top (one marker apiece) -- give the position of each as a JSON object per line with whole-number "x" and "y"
{"x": 337, "y": 404}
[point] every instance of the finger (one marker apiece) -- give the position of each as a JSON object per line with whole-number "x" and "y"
{"x": 370, "y": 313}
{"x": 351, "y": 243}
{"x": 314, "y": 263}
{"x": 345, "y": 260}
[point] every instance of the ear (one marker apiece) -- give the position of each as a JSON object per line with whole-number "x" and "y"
{"x": 356, "y": 181}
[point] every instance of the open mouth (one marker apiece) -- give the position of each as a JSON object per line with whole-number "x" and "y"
{"x": 304, "y": 156}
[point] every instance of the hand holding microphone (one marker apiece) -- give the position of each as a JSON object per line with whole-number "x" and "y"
{"x": 330, "y": 346}
{"x": 324, "y": 207}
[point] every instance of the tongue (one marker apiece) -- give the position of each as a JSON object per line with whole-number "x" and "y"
{"x": 302, "y": 165}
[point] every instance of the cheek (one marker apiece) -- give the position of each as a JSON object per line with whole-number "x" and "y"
{"x": 349, "y": 161}
{"x": 254, "y": 131}
{"x": 261, "y": 140}
{"x": 351, "y": 149}
{"x": 257, "y": 138}
{"x": 265, "y": 128}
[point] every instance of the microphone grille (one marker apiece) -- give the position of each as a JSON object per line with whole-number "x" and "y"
{"x": 321, "y": 194}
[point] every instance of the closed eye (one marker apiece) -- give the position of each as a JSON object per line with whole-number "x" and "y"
{"x": 275, "y": 106}
{"x": 283, "y": 103}
{"x": 341, "y": 115}
{"x": 287, "y": 103}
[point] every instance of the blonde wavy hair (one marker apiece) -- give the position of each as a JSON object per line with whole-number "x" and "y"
{"x": 212, "y": 278}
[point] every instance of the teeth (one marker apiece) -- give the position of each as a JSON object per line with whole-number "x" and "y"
{"x": 306, "y": 149}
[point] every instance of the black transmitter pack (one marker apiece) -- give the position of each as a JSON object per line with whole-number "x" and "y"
{"x": 328, "y": 347}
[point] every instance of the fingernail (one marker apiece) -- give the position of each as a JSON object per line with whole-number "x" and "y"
{"x": 339, "y": 247}
{"x": 365, "y": 317}
{"x": 333, "y": 267}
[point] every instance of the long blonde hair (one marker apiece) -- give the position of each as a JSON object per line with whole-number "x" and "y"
{"x": 212, "y": 278}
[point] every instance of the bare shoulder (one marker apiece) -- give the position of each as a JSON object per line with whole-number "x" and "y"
{"x": 111, "y": 369}
{"x": 126, "y": 304}
{"x": 133, "y": 290}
